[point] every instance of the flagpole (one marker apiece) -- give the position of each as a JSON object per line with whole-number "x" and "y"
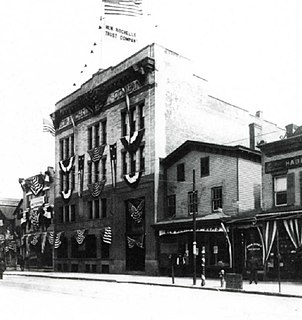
{"x": 102, "y": 26}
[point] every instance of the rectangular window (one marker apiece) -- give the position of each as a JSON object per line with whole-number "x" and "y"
{"x": 124, "y": 162}
{"x": 89, "y": 138}
{"x": 61, "y": 181}
{"x": 124, "y": 123}
{"x": 141, "y": 116}
{"x": 72, "y": 178}
{"x": 132, "y": 120}
{"x": 72, "y": 145}
{"x": 67, "y": 177}
{"x": 66, "y": 213}
{"x": 104, "y": 132}
{"x": 192, "y": 202}
{"x": 90, "y": 209}
{"x": 181, "y": 172}
{"x": 96, "y": 171}
{"x": 61, "y": 214}
{"x": 96, "y": 209}
{"x": 72, "y": 212}
{"x": 66, "y": 148}
{"x": 62, "y": 149}
{"x": 104, "y": 171}
{"x": 216, "y": 198}
{"x": 133, "y": 163}
{"x": 280, "y": 190}
{"x": 96, "y": 135}
{"x": 89, "y": 172}
{"x": 142, "y": 158}
{"x": 204, "y": 167}
{"x": 171, "y": 204}
{"x": 104, "y": 207}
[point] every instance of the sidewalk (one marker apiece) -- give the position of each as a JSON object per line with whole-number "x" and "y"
{"x": 288, "y": 289}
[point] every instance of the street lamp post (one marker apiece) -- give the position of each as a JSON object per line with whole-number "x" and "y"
{"x": 194, "y": 229}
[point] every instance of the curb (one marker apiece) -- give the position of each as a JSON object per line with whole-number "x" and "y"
{"x": 53, "y": 276}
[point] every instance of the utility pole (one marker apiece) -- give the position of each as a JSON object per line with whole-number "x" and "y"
{"x": 194, "y": 229}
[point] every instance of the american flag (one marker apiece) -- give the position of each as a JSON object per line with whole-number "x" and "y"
{"x": 107, "y": 235}
{"x": 123, "y": 7}
{"x": 48, "y": 127}
{"x": 36, "y": 184}
{"x": 113, "y": 163}
{"x": 80, "y": 236}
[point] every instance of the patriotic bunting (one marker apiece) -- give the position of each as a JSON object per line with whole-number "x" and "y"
{"x": 48, "y": 127}
{"x": 136, "y": 212}
{"x": 67, "y": 164}
{"x": 34, "y": 219}
{"x": 133, "y": 180}
{"x": 107, "y": 237}
{"x": 36, "y": 184}
{"x": 66, "y": 194}
{"x": 57, "y": 241}
{"x": 267, "y": 237}
{"x": 294, "y": 230}
{"x": 113, "y": 163}
{"x": 135, "y": 242}
{"x": 80, "y": 236}
{"x": 229, "y": 243}
{"x": 35, "y": 239}
{"x": 96, "y": 153}
{"x": 132, "y": 143}
{"x": 81, "y": 162}
{"x": 96, "y": 188}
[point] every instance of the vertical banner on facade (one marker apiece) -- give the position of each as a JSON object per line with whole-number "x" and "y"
{"x": 122, "y": 30}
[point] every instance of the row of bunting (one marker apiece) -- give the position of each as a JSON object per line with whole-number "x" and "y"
{"x": 79, "y": 236}
{"x": 36, "y": 183}
{"x": 96, "y": 154}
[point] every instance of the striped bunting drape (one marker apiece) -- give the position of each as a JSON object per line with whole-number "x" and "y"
{"x": 267, "y": 236}
{"x": 133, "y": 180}
{"x": 96, "y": 153}
{"x": 80, "y": 236}
{"x": 96, "y": 188}
{"x": 132, "y": 143}
{"x": 66, "y": 194}
{"x": 57, "y": 240}
{"x": 66, "y": 165}
{"x": 107, "y": 237}
{"x": 135, "y": 242}
{"x": 229, "y": 243}
{"x": 136, "y": 212}
{"x": 294, "y": 230}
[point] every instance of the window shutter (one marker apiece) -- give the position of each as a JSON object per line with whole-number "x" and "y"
{"x": 291, "y": 188}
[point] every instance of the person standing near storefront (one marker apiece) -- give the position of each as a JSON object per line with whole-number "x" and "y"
{"x": 2, "y": 267}
{"x": 253, "y": 269}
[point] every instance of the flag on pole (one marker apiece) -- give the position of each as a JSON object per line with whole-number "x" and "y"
{"x": 123, "y": 7}
{"x": 113, "y": 163}
{"x": 48, "y": 127}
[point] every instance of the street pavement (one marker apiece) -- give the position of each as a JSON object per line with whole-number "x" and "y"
{"x": 289, "y": 289}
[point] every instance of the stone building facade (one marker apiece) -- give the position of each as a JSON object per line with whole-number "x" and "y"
{"x": 111, "y": 135}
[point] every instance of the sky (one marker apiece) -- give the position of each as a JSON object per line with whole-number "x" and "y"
{"x": 249, "y": 51}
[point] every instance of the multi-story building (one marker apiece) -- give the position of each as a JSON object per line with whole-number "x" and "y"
{"x": 35, "y": 221}
{"x": 9, "y": 210}
{"x": 282, "y": 204}
{"x": 216, "y": 181}
{"x": 110, "y": 137}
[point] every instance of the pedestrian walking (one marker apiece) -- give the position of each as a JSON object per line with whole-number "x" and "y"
{"x": 2, "y": 267}
{"x": 253, "y": 268}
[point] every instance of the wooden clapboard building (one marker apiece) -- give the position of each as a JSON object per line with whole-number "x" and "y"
{"x": 111, "y": 134}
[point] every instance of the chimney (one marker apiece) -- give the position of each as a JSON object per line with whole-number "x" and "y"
{"x": 259, "y": 114}
{"x": 255, "y": 135}
{"x": 290, "y": 129}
